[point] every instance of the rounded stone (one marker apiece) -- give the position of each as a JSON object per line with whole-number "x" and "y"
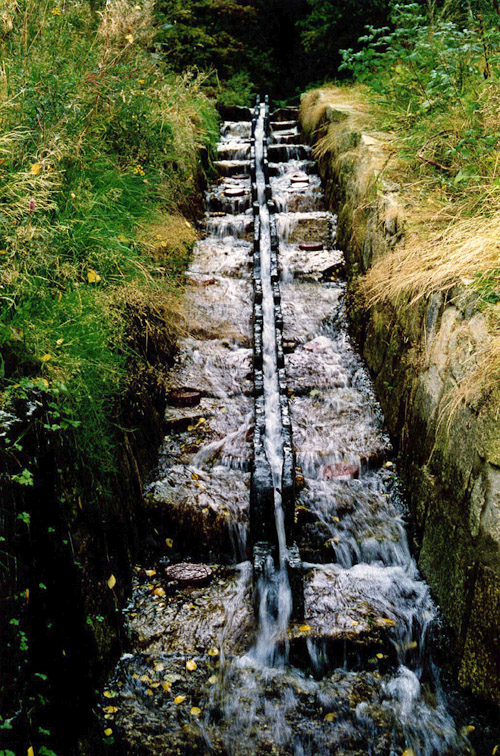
{"x": 187, "y": 573}
{"x": 184, "y": 397}
{"x": 234, "y": 191}
{"x": 299, "y": 178}
{"x": 311, "y": 246}
{"x": 240, "y": 177}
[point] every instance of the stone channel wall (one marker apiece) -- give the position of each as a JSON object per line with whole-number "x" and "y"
{"x": 418, "y": 355}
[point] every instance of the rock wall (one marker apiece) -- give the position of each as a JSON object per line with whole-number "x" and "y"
{"x": 418, "y": 354}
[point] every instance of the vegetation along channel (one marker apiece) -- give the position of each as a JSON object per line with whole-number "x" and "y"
{"x": 249, "y": 395}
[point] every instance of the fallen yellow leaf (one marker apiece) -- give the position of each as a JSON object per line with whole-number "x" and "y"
{"x": 409, "y": 752}
{"x": 108, "y": 731}
{"x": 305, "y": 628}
{"x": 31, "y": 751}
{"x": 212, "y": 680}
{"x": 213, "y": 652}
{"x": 159, "y": 592}
{"x": 93, "y": 276}
{"x": 169, "y": 542}
{"x": 330, "y": 717}
{"x": 159, "y": 666}
{"x": 195, "y": 711}
{"x": 166, "y": 686}
{"x": 354, "y": 622}
{"x": 129, "y": 38}
{"x": 495, "y": 750}
{"x": 35, "y": 169}
{"x": 46, "y": 357}
{"x": 149, "y": 692}
{"x": 111, "y": 582}
{"x": 179, "y": 699}
{"x": 386, "y": 621}
{"x": 150, "y": 573}
{"x": 109, "y": 694}
{"x": 145, "y": 678}
{"x": 111, "y": 709}
{"x": 191, "y": 665}
{"x": 380, "y": 656}
{"x": 59, "y": 342}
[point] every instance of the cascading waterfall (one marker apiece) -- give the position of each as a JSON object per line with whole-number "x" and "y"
{"x": 238, "y": 648}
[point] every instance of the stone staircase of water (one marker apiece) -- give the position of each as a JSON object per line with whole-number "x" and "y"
{"x": 251, "y": 634}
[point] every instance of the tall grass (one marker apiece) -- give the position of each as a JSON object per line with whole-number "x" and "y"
{"x": 99, "y": 158}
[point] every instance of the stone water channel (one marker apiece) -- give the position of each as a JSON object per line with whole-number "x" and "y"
{"x": 283, "y": 613}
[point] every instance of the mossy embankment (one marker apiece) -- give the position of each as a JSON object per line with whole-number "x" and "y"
{"x": 103, "y": 155}
{"x": 429, "y": 335}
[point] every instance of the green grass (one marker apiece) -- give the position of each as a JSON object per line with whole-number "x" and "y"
{"x": 99, "y": 144}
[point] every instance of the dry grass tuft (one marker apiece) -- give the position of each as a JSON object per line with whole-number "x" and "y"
{"x": 315, "y": 103}
{"x": 7, "y": 14}
{"x": 125, "y": 23}
{"x": 424, "y": 265}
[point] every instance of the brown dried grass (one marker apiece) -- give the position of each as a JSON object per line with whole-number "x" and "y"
{"x": 124, "y": 23}
{"x": 426, "y": 264}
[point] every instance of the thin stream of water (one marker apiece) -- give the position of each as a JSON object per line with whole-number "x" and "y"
{"x": 274, "y": 590}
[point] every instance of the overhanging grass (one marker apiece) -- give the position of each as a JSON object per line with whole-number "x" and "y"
{"x": 99, "y": 151}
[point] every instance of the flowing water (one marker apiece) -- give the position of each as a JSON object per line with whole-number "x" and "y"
{"x": 277, "y": 617}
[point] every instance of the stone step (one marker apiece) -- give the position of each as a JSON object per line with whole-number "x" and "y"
{"x": 199, "y": 513}
{"x": 295, "y": 228}
{"x": 216, "y": 368}
{"x": 231, "y": 167}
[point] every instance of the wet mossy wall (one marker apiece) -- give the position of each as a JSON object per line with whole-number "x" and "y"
{"x": 418, "y": 354}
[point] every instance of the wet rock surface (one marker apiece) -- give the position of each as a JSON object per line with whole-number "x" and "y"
{"x": 217, "y": 367}
{"x": 174, "y": 610}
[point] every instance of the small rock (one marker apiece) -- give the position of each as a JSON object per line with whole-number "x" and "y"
{"x": 184, "y": 397}
{"x": 311, "y": 246}
{"x": 186, "y": 573}
{"x": 299, "y": 479}
{"x": 340, "y": 470}
{"x": 234, "y": 191}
